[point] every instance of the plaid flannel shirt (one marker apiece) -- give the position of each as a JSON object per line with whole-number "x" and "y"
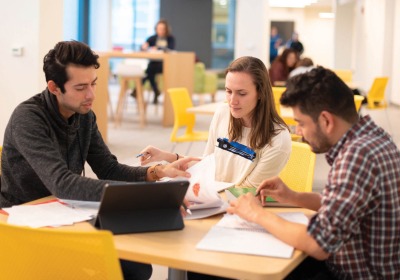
{"x": 359, "y": 219}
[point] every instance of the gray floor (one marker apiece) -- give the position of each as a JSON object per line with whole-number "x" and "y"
{"x": 129, "y": 139}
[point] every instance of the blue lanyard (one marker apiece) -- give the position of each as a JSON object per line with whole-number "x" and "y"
{"x": 236, "y": 148}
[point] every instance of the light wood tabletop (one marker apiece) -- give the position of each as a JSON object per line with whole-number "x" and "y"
{"x": 177, "y": 250}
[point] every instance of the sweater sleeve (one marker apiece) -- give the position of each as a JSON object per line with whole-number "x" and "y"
{"x": 40, "y": 168}
{"x": 105, "y": 165}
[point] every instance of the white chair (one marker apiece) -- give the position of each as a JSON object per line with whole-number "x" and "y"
{"x": 126, "y": 73}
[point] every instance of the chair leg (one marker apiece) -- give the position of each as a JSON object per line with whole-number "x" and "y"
{"x": 140, "y": 101}
{"x": 173, "y": 147}
{"x": 188, "y": 149}
{"x": 121, "y": 102}
{"x": 388, "y": 122}
{"x": 110, "y": 106}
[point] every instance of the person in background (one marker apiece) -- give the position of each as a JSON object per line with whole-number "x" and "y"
{"x": 248, "y": 118}
{"x": 51, "y": 136}
{"x": 274, "y": 44}
{"x": 162, "y": 40}
{"x": 302, "y": 66}
{"x": 355, "y": 232}
{"x": 282, "y": 66}
{"x": 295, "y": 44}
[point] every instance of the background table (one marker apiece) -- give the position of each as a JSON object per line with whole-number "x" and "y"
{"x": 178, "y": 71}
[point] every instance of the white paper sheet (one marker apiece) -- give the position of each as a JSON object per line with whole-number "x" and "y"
{"x": 235, "y": 235}
{"x": 47, "y": 214}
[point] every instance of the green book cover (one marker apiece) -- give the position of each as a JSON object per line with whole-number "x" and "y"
{"x": 241, "y": 191}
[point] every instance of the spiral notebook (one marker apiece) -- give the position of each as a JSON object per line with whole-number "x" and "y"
{"x": 235, "y": 235}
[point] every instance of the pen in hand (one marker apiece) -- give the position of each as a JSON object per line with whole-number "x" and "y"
{"x": 186, "y": 209}
{"x": 142, "y": 154}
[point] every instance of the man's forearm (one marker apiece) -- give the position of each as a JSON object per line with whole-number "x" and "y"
{"x": 307, "y": 200}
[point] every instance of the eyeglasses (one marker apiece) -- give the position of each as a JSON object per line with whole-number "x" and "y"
{"x": 236, "y": 148}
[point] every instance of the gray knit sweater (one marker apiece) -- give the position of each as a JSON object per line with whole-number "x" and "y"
{"x": 44, "y": 155}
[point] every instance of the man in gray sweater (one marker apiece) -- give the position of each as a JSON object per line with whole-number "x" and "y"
{"x": 50, "y": 136}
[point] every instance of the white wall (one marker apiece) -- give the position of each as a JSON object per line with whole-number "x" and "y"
{"x": 35, "y": 25}
{"x": 315, "y": 33}
{"x": 343, "y": 35}
{"x": 252, "y": 29}
{"x": 100, "y": 34}
{"x": 375, "y": 45}
{"x": 395, "y": 56}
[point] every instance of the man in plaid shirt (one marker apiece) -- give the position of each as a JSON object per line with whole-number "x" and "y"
{"x": 356, "y": 228}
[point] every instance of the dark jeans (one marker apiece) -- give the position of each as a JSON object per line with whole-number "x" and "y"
{"x": 135, "y": 271}
{"x": 153, "y": 68}
{"x": 309, "y": 269}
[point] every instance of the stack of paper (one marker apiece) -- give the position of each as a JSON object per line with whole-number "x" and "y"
{"x": 48, "y": 214}
{"x": 235, "y": 235}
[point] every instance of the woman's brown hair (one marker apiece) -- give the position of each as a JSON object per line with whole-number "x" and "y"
{"x": 265, "y": 121}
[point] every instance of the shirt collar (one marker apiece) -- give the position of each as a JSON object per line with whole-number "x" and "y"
{"x": 360, "y": 127}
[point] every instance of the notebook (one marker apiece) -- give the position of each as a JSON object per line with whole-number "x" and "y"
{"x": 141, "y": 207}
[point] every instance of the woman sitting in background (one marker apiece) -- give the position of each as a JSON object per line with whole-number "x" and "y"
{"x": 303, "y": 65}
{"x": 282, "y": 66}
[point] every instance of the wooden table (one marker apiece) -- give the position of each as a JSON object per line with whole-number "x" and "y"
{"x": 178, "y": 71}
{"x": 176, "y": 250}
{"x": 210, "y": 108}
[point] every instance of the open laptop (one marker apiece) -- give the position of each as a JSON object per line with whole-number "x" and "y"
{"x": 141, "y": 207}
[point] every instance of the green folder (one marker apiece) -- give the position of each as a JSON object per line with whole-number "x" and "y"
{"x": 241, "y": 191}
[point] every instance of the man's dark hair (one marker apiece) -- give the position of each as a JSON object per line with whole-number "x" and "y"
{"x": 67, "y": 53}
{"x": 320, "y": 90}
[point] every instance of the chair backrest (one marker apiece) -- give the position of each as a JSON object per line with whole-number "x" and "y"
{"x": 345, "y": 74}
{"x": 377, "y": 91}
{"x": 181, "y": 100}
{"x": 125, "y": 69}
{"x": 28, "y": 253}
{"x": 204, "y": 81}
{"x": 298, "y": 174}
{"x": 277, "y": 92}
{"x": 199, "y": 77}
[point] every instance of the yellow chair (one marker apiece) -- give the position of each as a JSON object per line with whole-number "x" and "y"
{"x": 345, "y": 74}
{"x": 181, "y": 101}
{"x": 28, "y": 253}
{"x": 376, "y": 95}
{"x": 277, "y": 92}
{"x": 298, "y": 174}
{"x": 358, "y": 99}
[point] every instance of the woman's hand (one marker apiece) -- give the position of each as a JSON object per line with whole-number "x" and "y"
{"x": 153, "y": 154}
{"x": 177, "y": 168}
